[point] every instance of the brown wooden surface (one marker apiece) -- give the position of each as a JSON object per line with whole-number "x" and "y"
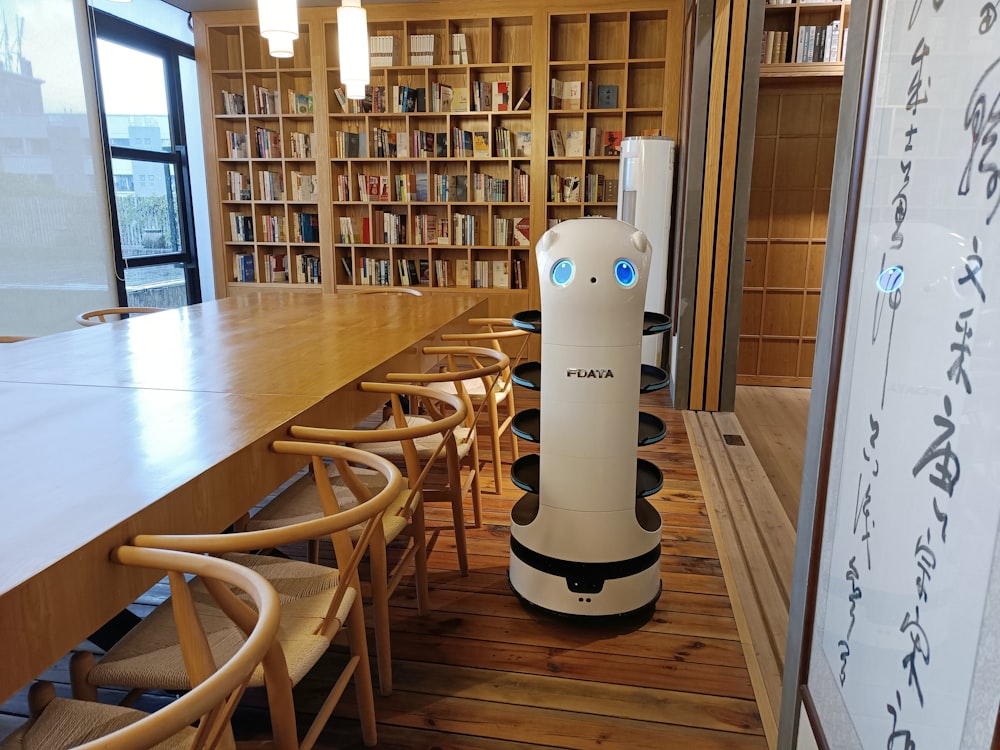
{"x": 178, "y": 444}
{"x": 482, "y": 671}
{"x": 786, "y": 231}
{"x": 750, "y": 466}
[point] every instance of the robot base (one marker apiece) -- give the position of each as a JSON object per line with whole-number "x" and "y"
{"x": 586, "y": 589}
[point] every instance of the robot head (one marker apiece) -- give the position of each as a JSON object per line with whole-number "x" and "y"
{"x": 590, "y": 270}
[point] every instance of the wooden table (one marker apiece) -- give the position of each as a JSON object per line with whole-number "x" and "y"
{"x": 163, "y": 423}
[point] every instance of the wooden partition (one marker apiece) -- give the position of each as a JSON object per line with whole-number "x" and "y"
{"x": 786, "y": 233}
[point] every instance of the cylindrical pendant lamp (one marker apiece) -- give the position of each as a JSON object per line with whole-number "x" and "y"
{"x": 279, "y": 24}
{"x": 352, "y": 36}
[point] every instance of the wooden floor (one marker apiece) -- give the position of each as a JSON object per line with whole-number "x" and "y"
{"x": 481, "y": 671}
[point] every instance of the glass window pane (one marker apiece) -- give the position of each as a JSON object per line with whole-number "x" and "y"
{"x": 135, "y": 97}
{"x": 146, "y": 198}
{"x": 156, "y": 286}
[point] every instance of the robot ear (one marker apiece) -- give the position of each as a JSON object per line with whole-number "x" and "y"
{"x": 639, "y": 241}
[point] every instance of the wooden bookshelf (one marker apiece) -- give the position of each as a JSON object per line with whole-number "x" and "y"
{"x": 259, "y": 184}
{"x": 790, "y": 18}
{"x": 521, "y": 42}
{"x": 445, "y": 188}
{"x": 617, "y": 61}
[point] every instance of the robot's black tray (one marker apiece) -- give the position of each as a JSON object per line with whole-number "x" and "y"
{"x": 651, "y": 379}
{"x": 528, "y": 320}
{"x": 526, "y": 509}
{"x": 648, "y": 478}
{"x": 527, "y": 425}
{"x": 526, "y": 475}
{"x": 528, "y": 375}
{"x": 531, "y": 320}
{"x": 651, "y": 429}
{"x": 524, "y": 472}
{"x": 653, "y": 322}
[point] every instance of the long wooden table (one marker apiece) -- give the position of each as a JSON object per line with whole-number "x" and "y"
{"x": 163, "y": 423}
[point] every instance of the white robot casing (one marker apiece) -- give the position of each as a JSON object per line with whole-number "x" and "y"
{"x": 589, "y": 547}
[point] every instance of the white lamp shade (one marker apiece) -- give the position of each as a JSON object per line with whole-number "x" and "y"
{"x": 280, "y": 45}
{"x": 279, "y": 24}
{"x": 352, "y": 37}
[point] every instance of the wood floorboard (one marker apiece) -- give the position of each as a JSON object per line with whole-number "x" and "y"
{"x": 481, "y": 671}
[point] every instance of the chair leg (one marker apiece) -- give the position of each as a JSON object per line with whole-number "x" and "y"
{"x": 363, "y": 674}
{"x": 495, "y": 446}
{"x": 419, "y": 528}
{"x": 80, "y": 664}
{"x": 458, "y": 518}
{"x": 312, "y": 551}
{"x": 40, "y": 694}
{"x": 280, "y": 703}
{"x": 380, "y": 608}
{"x": 477, "y": 497}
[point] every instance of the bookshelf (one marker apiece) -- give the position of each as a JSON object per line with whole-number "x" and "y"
{"x": 438, "y": 197}
{"x": 607, "y": 79}
{"x": 491, "y": 203}
{"x": 820, "y": 26}
{"x": 263, "y": 117}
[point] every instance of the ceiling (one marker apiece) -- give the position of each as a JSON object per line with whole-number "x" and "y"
{"x": 200, "y": 5}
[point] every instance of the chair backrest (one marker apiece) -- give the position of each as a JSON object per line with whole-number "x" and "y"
{"x": 336, "y": 525}
{"x": 96, "y": 317}
{"x": 13, "y": 339}
{"x": 392, "y": 290}
{"x": 216, "y": 689}
{"x": 458, "y": 365}
{"x": 445, "y": 412}
{"x": 494, "y": 333}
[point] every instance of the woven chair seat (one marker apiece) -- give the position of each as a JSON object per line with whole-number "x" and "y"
{"x": 149, "y": 656}
{"x": 425, "y": 446}
{"x": 301, "y": 502}
{"x": 68, "y": 723}
{"x": 475, "y": 388}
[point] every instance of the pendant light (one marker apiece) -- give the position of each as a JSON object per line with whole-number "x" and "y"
{"x": 352, "y": 37}
{"x": 279, "y": 24}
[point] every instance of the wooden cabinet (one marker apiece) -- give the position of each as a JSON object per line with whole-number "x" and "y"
{"x": 607, "y": 80}
{"x": 799, "y": 35}
{"x": 470, "y": 193}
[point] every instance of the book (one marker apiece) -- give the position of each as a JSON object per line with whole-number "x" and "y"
{"x": 501, "y": 96}
{"x": 556, "y": 94}
{"x": 612, "y": 142}
{"x": 462, "y": 272}
{"x": 460, "y": 99}
{"x": 571, "y": 189}
{"x": 524, "y": 101}
{"x": 607, "y": 96}
{"x": 574, "y": 143}
{"x": 480, "y": 144}
{"x": 522, "y": 231}
{"x": 522, "y": 143}
{"x": 611, "y": 191}
{"x": 558, "y": 147}
{"x": 595, "y": 141}
{"x": 500, "y": 273}
{"x": 572, "y": 97}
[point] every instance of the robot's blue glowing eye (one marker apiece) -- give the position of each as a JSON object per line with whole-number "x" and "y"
{"x": 562, "y": 272}
{"x": 625, "y": 273}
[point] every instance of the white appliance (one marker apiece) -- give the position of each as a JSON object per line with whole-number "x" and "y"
{"x": 645, "y": 186}
{"x": 584, "y": 540}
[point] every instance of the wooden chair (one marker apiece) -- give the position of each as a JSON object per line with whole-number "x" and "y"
{"x": 460, "y": 369}
{"x": 416, "y": 444}
{"x": 58, "y": 723}
{"x": 316, "y": 603}
{"x": 13, "y": 339}
{"x": 494, "y": 332}
{"x": 96, "y": 317}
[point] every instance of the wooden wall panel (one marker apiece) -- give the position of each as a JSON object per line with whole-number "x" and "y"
{"x": 786, "y": 236}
